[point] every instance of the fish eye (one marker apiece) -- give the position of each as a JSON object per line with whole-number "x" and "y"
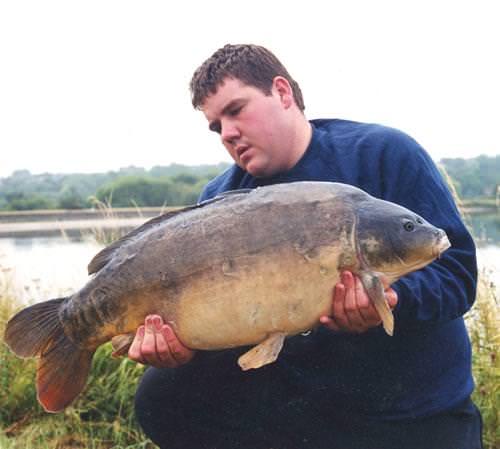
{"x": 409, "y": 226}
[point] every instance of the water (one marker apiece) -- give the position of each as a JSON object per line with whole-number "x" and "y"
{"x": 40, "y": 268}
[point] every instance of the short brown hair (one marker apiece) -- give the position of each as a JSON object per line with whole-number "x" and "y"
{"x": 252, "y": 64}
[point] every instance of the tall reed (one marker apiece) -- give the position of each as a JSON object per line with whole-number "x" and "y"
{"x": 483, "y": 322}
{"x": 102, "y": 417}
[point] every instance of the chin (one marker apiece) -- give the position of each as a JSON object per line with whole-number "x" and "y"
{"x": 255, "y": 170}
{"x": 259, "y": 171}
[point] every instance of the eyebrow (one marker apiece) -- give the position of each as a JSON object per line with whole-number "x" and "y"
{"x": 215, "y": 125}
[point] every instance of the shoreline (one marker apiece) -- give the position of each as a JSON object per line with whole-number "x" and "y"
{"x": 50, "y": 223}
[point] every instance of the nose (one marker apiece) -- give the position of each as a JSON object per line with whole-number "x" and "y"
{"x": 229, "y": 131}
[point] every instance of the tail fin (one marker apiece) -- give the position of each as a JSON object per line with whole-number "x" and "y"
{"x": 63, "y": 367}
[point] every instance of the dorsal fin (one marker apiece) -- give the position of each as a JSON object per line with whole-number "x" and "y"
{"x": 105, "y": 255}
{"x": 230, "y": 193}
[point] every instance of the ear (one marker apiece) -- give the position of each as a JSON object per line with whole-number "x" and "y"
{"x": 282, "y": 88}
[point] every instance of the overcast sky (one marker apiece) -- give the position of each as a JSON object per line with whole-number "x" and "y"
{"x": 89, "y": 86}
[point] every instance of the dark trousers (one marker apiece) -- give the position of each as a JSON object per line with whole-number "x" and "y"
{"x": 187, "y": 408}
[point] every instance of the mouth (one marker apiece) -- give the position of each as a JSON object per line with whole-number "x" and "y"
{"x": 241, "y": 150}
{"x": 442, "y": 244}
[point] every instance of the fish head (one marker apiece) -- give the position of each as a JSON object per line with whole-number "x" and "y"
{"x": 395, "y": 241}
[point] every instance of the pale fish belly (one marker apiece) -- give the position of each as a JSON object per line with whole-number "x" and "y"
{"x": 244, "y": 300}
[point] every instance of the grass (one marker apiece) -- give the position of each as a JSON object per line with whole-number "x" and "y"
{"x": 105, "y": 236}
{"x": 102, "y": 418}
{"x": 483, "y": 322}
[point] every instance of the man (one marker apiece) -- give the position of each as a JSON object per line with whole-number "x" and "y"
{"x": 346, "y": 384}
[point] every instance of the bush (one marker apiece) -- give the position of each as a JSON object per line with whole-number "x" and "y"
{"x": 29, "y": 202}
{"x": 137, "y": 191}
{"x": 101, "y": 418}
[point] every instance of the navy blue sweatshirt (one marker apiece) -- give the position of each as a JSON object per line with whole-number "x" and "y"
{"x": 426, "y": 366}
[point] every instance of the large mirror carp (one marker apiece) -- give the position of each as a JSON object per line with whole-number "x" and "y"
{"x": 245, "y": 268}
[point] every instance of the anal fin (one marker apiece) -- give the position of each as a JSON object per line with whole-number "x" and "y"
{"x": 375, "y": 290}
{"x": 121, "y": 344}
{"x": 264, "y": 353}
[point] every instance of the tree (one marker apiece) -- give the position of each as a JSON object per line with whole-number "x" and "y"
{"x": 21, "y": 201}
{"x": 137, "y": 190}
{"x": 69, "y": 198}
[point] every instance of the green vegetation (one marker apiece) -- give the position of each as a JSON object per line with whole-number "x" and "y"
{"x": 484, "y": 328}
{"x": 22, "y": 201}
{"x": 476, "y": 180}
{"x": 483, "y": 323}
{"x": 144, "y": 191}
{"x": 101, "y": 418}
{"x": 172, "y": 185}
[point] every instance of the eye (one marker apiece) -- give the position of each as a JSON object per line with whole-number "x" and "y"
{"x": 235, "y": 111}
{"x": 409, "y": 226}
{"x": 215, "y": 127}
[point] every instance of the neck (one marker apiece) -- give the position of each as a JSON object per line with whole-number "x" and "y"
{"x": 301, "y": 137}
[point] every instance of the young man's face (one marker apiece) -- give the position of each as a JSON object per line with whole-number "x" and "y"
{"x": 255, "y": 128}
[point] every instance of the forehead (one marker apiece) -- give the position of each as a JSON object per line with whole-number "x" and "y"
{"x": 230, "y": 90}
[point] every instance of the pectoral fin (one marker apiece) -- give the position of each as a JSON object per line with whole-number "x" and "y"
{"x": 375, "y": 291}
{"x": 264, "y": 353}
{"x": 121, "y": 344}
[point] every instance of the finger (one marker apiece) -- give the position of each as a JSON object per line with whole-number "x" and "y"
{"x": 392, "y": 297}
{"x": 180, "y": 353}
{"x": 356, "y": 322}
{"x": 162, "y": 348}
{"x": 371, "y": 315}
{"x": 148, "y": 347}
{"x": 327, "y": 320}
{"x": 165, "y": 357}
{"x": 338, "y": 313}
{"x": 366, "y": 309}
{"x": 330, "y": 323}
{"x": 362, "y": 299}
{"x": 134, "y": 352}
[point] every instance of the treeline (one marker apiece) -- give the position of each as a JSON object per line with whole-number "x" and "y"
{"x": 474, "y": 178}
{"x": 175, "y": 185}
{"x": 171, "y": 185}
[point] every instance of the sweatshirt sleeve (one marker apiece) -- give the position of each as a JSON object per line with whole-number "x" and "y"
{"x": 206, "y": 194}
{"x": 445, "y": 289}
{"x": 231, "y": 179}
{"x": 213, "y": 187}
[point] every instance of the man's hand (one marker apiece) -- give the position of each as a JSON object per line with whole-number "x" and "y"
{"x": 352, "y": 309}
{"x": 156, "y": 344}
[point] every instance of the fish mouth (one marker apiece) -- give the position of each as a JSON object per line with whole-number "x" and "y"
{"x": 442, "y": 243}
